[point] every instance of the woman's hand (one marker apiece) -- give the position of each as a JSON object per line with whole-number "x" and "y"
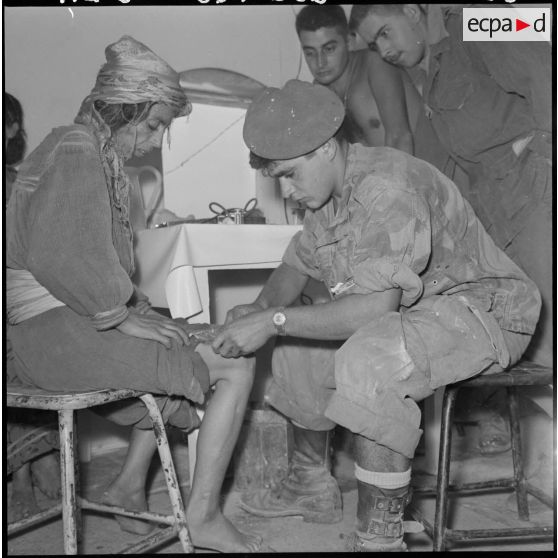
{"x": 246, "y": 334}
{"x": 154, "y": 326}
{"x": 241, "y": 310}
{"x": 143, "y": 307}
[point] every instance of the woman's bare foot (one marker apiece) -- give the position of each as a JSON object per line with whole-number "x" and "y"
{"x": 22, "y": 501}
{"x": 45, "y": 472}
{"x": 221, "y": 535}
{"x": 115, "y": 495}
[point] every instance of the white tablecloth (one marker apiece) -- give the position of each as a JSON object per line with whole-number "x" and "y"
{"x": 169, "y": 260}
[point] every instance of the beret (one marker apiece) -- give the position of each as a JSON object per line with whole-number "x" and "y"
{"x": 292, "y": 121}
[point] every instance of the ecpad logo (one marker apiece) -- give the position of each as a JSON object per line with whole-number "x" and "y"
{"x": 507, "y": 24}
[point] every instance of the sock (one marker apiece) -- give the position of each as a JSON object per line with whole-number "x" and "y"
{"x": 298, "y": 425}
{"x": 383, "y": 480}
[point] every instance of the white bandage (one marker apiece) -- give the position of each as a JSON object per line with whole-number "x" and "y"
{"x": 298, "y": 425}
{"x": 383, "y": 480}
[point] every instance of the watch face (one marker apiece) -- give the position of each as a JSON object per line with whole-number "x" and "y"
{"x": 279, "y": 318}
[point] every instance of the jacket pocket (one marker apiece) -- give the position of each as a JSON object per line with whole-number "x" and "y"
{"x": 452, "y": 94}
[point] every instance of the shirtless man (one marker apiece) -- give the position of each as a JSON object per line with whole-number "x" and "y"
{"x": 372, "y": 91}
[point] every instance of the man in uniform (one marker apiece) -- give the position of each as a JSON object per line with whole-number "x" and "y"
{"x": 420, "y": 297}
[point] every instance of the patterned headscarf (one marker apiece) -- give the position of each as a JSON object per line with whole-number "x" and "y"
{"x": 132, "y": 74}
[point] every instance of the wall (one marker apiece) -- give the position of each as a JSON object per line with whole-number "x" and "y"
{"x": 52, "y": 58}
{"x": 206, "y": 162}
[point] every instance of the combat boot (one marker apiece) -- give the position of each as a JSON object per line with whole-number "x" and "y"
{"x": 380, "y": 525}
{"x": 308, "y": 489}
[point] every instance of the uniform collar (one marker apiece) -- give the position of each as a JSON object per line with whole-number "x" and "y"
{"x": 436, "y": 33}
{"x": 330, "y": 218}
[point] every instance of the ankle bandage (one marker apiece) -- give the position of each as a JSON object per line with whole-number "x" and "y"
{"x": 383, "y": 480}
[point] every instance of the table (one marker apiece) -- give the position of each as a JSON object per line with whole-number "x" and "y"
{"x": 173, "y": 265}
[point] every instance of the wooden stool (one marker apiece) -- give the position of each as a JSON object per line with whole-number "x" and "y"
{"x": 523, "y": 374}
{"x": 66, "y": 403}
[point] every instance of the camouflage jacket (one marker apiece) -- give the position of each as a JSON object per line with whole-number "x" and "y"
{"x": 403, "y": 224}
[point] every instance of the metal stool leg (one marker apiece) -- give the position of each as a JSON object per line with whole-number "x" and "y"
{"x": 518, "y": 472}
{"x": 169, "y": 471}
{"x": 440, "y": 518}
{"x": 77, "y": 484}
{"x": 67, "y": 469}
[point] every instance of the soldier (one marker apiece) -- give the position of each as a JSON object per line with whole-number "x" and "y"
{"x": 420, "y": 297}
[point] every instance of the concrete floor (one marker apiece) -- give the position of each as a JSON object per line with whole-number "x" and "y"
{"x": 102, "y": 535}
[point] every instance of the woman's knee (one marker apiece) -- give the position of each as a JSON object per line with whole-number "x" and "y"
{"x": 235, "y": 373}
{"x": 239, "y": 371}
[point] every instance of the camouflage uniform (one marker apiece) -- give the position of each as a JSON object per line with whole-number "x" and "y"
{"x": 466, "y": 308}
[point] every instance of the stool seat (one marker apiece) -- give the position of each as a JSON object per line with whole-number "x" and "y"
{"x": 36, "y": 398}
{"x": 523, "y": 374}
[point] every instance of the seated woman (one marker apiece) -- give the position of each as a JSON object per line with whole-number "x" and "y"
{"x": 31, "y": 435}
{"x": 76, "y": 321}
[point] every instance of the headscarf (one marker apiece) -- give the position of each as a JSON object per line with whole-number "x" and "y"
{"x": 132, "y": 74}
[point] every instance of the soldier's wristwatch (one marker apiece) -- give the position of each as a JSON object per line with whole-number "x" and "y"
{"x": 279, "y": 320}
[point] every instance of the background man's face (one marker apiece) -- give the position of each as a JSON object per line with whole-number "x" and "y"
{"x": 395, "y": 38}
{"x": 326, "y": 51}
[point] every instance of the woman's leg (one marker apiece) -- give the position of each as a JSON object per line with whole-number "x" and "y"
{"x": 128, "y": 489}
{"x": 218, "y": 434}
{"x": 99, "y": 355}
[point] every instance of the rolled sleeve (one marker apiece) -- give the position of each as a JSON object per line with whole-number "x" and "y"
{"x": 110, "y": 318}
{"x": 383, "y": 274}
{"x": 394, "y": 246}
